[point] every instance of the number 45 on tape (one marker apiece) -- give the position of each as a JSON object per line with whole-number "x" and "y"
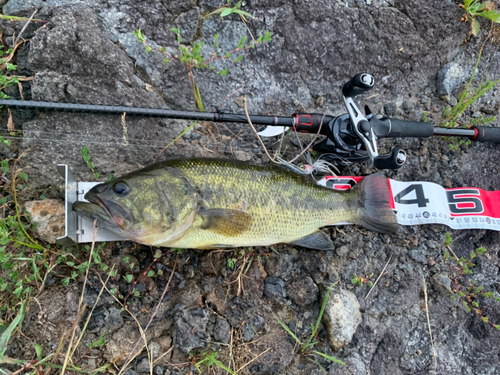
{"x": 416, "y": 203}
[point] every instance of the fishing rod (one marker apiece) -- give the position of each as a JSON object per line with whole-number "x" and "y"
{"x": 350, "y": 138}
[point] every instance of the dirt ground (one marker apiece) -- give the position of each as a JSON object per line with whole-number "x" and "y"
{"x": 137, "y": 310}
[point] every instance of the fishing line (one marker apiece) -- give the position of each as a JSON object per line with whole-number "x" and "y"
{"x": 119, "y": 144}
{"x": 97, "y": 134}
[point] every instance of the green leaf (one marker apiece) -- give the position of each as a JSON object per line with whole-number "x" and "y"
{"x": 238, "y": 11}
{"x": 129, "y": 278}
{"x": 226, "y": 12}
{"x": 175, "y": 30}
{"x": 147, "y": 49}
{"x": 5, "y": 166}
{"x": 151, "y": 273}
{"x": 241, "y": 42}
{"x": 38, "y": 350}
{"x": 24, "y": 176}
{"x": 333, "y": 359}
{"x": 481, "y": 250}
{"x": 228, "y": 54}
{"x": 97, "y": 343}
{"x": 4, "y": 339}
{"x": 222, "y": 72}
{"x": 138, "y": 34}
{"x": 447, "y": 239}
{"x": 467, "y": 3}
{"x": 492, "y": 15}
{"x": 475, "y": 27}
{"x": 267, "y": 36}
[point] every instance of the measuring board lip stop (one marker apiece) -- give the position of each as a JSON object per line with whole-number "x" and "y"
{"x": 77, "y": 229}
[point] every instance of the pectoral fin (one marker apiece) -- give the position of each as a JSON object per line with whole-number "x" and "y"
{"x": 225, "y": 222}
{"x": 317, "y": 241}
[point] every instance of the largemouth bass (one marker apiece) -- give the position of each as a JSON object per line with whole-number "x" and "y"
{"x": 211, "y": 203}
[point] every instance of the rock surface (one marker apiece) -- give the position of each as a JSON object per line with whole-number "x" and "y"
{"x": 303, "y": 291}
{"x": 417, "y": 52}
{"x": 191, "y": 326}
{"x": 342, "y": 317}
{"x": 449, "y": 78}
{"x": 49, "y": 216}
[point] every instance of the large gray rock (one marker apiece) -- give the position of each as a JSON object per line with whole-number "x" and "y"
{"x": 303, "y": 291}
{"x": 21, "y": 7}
{"x": 49, "y": 215}
{"x": 100, "y": 73}
{"x": 191, "y": 330}
{"x": 121, "y": 344}
{"x": 341, "y": 318}
{"x": 279, "y": 354}
{"x": 449, "y": 78}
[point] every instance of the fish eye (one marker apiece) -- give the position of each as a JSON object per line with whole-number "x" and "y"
{"x": 121, "y": 189}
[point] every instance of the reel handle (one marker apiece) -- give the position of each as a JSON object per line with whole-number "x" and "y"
{"x": 358, "y": 84}
{"x": 392, "y": 160}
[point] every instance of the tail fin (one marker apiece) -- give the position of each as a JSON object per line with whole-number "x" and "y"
{"x": 372, "y": 196}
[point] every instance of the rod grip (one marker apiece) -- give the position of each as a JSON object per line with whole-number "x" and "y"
{"x": 403, "y": 128}
{"x": 486, "y": 134}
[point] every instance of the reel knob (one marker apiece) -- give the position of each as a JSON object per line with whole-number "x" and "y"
{"x": 358, "y": 84}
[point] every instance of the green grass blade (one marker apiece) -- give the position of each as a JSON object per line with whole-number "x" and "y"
{"x": 23, "y": 19}
{"x": 198, "y": 99}
{"x": 4, "y": 339}
{"x": 329, "y": 357}
{"x": 320, "y": 315}
{"x": 285, "y": 327}
{"x": 317, "y": 364}
{"x": 221, "y": 365}
{"x": 308, "y": 345}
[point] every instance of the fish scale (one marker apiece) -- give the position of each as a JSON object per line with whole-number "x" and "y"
{"x": 207, "y": 203}
{"x": 284, "y": 206}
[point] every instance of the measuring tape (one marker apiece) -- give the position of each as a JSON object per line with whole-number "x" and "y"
{"x": 419, "y": 202}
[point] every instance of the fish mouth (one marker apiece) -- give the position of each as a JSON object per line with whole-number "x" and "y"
{"x": 109, "y": 215}
{"x": 92, "y": 212}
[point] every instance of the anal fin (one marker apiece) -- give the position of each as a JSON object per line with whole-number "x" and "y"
{"x": 317, "y": 241}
